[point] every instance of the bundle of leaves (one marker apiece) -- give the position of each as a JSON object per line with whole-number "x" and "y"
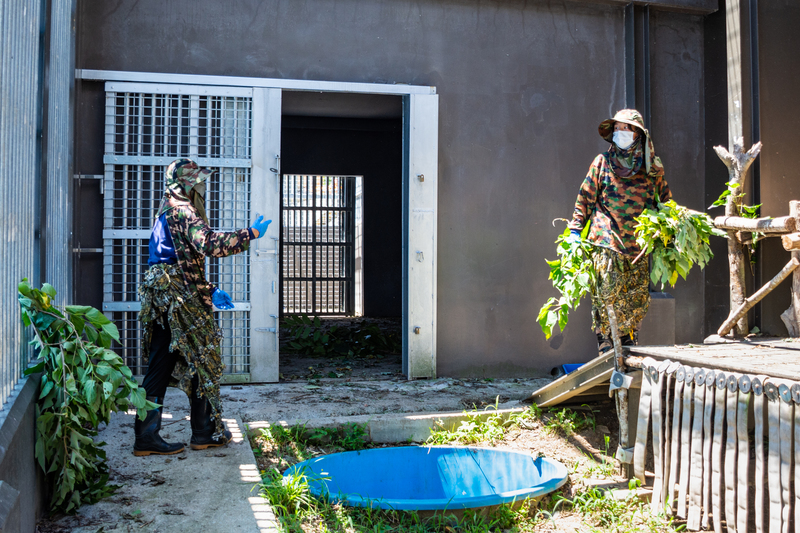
{"x": 310, "y": 336}
{"x": 573, "y": 275}
{"x": 677, "y": 237}
{"x": 82, "y": 382}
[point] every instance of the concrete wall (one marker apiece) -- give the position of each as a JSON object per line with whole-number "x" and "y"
{"x": 522, "y": 85}
{"x": 678, "y": 128}
{"x": 778, "y": 42}
{"x": 22, "y": 486}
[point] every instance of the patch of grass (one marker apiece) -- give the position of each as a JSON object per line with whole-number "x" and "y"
{"x": 348, "y": 437}
{"x": 568, "y": 422}
{"x": 605, "y": 469}
{"x": 311, "y": 336}
{"x": 481, "y": 426}
{"x": 492, "y": 427}
{"x": 601, "y": 511}
{"x": 289, "y": 496}
{"x": 292, "y": 444}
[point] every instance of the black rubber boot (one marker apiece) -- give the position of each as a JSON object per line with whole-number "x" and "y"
{"x": 630, "y": 340}
{"x": 203, "y": 427}
{"x": 148, "y": 441}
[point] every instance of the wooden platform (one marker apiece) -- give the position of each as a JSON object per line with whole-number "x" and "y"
{"x": 778, "y": 358}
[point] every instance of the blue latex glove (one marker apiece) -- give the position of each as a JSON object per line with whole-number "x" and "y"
{"x": 574, "y": 236}
{"x": 260, "y": 226}
{"x": 221, "y": 299}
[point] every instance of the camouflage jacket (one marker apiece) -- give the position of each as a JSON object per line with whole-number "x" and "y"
{"x": 610, "y": 203}
{"x": 194, "y": 240}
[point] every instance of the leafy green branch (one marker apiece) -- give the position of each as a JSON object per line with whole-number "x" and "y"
{"x": 745, "y": 211}
{"x": 83, "y": 382}
{"x": 573, "y": 275}
{"x": 677, "y": 237}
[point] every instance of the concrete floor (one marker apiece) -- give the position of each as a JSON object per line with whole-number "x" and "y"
{"x": 215, "y": 490}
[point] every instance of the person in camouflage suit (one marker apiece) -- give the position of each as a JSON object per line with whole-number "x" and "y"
{"x": 181, "y": 338}
{"x": 621, "y": 183}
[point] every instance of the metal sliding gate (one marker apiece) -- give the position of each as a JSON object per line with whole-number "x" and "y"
{"x": 146, "y": 127}
{"x": 318, "y": 234}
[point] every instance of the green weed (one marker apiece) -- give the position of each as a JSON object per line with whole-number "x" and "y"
{"x": 601, "y": 511}
{"x": 288, "y": 495}
{"x": 606, "y": 469}
{"x": 311, "y": 336}
{"x": 569, "y": 422}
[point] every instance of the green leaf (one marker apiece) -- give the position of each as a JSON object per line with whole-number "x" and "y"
{"x": 137, "y": 398}
{"x": 78, "y": 309}
{"x": 97, "y": 318}
{"x": 90, "y": 391}
{"x": 112, "y": 331}
{"x": 49, "y": 290}
{"x": 38, "y": 367}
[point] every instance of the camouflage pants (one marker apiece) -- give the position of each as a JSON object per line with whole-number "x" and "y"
{"x": 623, "y": 285}
{"x": 195, "y": 334}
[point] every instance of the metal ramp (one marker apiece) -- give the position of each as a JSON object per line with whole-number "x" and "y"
{"x": 589, "y": 382}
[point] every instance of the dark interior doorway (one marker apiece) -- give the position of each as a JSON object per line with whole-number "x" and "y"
{"x": 338, "y": 134}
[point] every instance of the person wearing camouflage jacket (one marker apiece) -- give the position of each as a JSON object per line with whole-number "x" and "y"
{"x": 181, "y": 338}
{"x": 620, "y": 184}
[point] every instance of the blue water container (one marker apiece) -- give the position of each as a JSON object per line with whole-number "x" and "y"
{"x": 430, "y": 477}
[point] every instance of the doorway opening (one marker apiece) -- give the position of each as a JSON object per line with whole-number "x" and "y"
{"x": 341, "y": 230}
{"x": 321, "y": 240}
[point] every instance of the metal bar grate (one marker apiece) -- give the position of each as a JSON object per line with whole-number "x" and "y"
{"x": 172, "y": 125}
{"x": 317, "y": 244}
{"x": 144, "y": 132}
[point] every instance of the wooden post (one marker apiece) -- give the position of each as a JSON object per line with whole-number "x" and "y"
{"x": 626, "y": 469}
{"x": 738, "y": 164}
{"x": 794, "y": 211}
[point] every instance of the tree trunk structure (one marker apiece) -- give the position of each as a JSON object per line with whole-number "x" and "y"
{"x": 738, "y": 164}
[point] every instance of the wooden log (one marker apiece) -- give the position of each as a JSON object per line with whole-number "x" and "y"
{"x": 791, "y": 242}
{"x": 794, "y": 210}
{"x": 764, "y": 225}
{"x": 757, "y": 296}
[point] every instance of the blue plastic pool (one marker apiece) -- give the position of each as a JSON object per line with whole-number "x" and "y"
{"x": 430, "y": 478}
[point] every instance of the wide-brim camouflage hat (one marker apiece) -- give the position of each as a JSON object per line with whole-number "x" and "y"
{"x": 185, "y": 173}
{"x": 627, "y": 116}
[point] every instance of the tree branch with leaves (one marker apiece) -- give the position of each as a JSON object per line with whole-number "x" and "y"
{"x": 83, "y": 382}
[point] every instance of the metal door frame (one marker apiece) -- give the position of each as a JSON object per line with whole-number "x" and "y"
{"x": 420, "y": 188}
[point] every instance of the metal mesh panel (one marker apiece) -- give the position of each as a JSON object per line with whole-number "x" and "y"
{"x": 144, "y": 132}
{"x": 173, "y": 126}
{"x": 132, "y": 202}
{"x": 235, "y": 341}
{"x": 317, "y": 252}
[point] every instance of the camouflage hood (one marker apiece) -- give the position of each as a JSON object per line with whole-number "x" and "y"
{"x": 181, "y": 176}
{"x": 641, "y": 153}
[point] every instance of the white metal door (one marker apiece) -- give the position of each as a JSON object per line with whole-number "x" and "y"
{"x": 421, "y": 124}
{"x": 146, "y": 127}
{"x": 264, "y": 255}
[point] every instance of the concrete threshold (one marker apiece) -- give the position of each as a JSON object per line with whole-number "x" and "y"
{"x": 394, "y": 427}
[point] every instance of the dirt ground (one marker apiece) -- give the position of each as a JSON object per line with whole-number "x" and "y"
{"x": 321, "y": 387}
{"x": 581, "y": 453}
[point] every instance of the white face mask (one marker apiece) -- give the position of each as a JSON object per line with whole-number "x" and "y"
{"x": 623, "y": 139}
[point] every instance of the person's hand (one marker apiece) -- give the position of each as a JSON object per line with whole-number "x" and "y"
{"x": 574, "y": 236}
{"x": 221, "y": 299}
{"x": 260, "y": 226}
